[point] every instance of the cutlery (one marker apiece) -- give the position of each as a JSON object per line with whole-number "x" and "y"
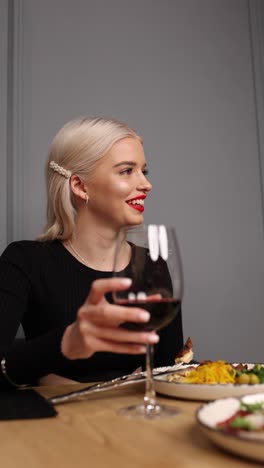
{"x": 110, "y": 384}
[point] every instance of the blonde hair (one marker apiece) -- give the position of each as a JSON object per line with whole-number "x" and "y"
{"x": 76, "y": 149}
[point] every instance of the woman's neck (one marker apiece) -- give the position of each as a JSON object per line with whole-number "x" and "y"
{"x": 95, "y": 248}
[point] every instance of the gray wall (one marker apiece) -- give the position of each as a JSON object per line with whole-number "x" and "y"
{"x": 188, "y": 75}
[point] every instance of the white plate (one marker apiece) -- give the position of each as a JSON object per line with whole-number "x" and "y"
{"x": 245, "y": 444}
{"x": 203, "y": 392}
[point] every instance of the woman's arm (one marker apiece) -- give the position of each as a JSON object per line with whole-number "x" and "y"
{"x": 95, "y": 329}
{"x": 24, "y": 361}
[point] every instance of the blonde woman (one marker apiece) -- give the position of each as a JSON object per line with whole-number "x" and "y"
{"x": 59, "y": 286}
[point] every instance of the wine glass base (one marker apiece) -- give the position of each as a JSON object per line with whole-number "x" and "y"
{"x": 149, "y": 411}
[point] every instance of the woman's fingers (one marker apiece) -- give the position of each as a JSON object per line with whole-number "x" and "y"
{"x": 153, "y": 297}
{"x": 107, "y": 314}
{"x": 115, "y": 347}
{"x": 82, "y": 339}
{"x": 117, "y": 334}
{"x": 97, "y": 326}
{"x": 102, "y": 286}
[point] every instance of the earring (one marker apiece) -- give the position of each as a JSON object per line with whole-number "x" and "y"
{"x": 86, "y": 199}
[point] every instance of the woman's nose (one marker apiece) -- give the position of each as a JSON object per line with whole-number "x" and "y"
{"x": 144, "y": 184}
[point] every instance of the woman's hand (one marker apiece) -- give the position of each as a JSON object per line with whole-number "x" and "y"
{"x": 97, "y": 325}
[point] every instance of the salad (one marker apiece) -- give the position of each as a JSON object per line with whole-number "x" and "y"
{"x": 249, "y": 417}
{"x": 219, "y": 372}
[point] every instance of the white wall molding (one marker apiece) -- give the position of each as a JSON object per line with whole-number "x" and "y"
{"x": 21, "y": 118}
{"x": 256, "y": 25}
{"x": 3, "y": 119}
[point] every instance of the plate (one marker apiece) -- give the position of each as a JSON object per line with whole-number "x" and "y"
{"x": 203, "y": 392}
{"x": 245, "y": 444}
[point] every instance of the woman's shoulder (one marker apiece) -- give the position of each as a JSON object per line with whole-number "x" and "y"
{"x": 27, "y": 248}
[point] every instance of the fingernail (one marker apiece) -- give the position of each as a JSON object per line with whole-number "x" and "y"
{"x": 154, "y": 338}
{"x": 144, "y": 316}
{"x": 126, "y": 281}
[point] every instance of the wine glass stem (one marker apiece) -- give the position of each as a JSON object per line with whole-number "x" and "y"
{"x": 150, "y": 394}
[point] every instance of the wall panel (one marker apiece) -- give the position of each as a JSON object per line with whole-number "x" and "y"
{"x": 189, "y": 77}
{"x": 256, "y": 24}
{"x": 3, "y": 120}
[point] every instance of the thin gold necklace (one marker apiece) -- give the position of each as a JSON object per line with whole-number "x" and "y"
{"x": 77, "y": 254}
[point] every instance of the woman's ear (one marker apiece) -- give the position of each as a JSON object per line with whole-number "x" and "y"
{"x": 79, "y": 188}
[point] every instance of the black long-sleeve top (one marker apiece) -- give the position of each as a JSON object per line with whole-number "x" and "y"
{"x": 42, "y": 286}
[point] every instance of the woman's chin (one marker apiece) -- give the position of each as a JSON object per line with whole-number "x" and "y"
{"x": 136, "y": 221}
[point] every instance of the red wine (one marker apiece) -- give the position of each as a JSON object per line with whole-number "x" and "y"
{"x": 162, "y": 312}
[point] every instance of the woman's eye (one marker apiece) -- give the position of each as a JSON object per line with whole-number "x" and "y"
{"x": 126, "y": 171}
{"x": 129, "y": 170}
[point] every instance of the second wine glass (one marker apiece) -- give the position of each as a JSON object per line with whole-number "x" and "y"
{"x": 149, "y": 255}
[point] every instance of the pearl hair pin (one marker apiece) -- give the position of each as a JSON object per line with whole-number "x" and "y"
{"x": 60, "y": 170}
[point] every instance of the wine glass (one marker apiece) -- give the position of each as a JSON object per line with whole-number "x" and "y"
{"x": 150, "y": 256}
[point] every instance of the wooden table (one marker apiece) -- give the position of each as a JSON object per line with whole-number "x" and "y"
{"x": 90, "y": 434}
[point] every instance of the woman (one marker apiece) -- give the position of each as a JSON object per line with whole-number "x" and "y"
{"x": 59, "y": 287}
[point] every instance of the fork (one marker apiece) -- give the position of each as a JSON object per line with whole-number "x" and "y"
{"x": 110, "y": 384}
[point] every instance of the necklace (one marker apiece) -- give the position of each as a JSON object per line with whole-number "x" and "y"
{"x": 77, "y": 254}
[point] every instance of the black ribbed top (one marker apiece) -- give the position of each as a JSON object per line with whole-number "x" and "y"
{"x": 42, "y": 286}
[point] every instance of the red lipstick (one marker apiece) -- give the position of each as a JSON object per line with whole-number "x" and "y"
{"x": 137, "y": 206}
{"x": 139, "y": 197}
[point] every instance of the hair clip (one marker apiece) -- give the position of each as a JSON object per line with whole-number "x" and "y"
{"x": 60, "y": 170}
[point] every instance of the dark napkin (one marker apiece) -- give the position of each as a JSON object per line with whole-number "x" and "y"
{"x": 24, "y": 404}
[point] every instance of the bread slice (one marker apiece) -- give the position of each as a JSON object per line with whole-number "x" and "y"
{"x": 186, "y": 353}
